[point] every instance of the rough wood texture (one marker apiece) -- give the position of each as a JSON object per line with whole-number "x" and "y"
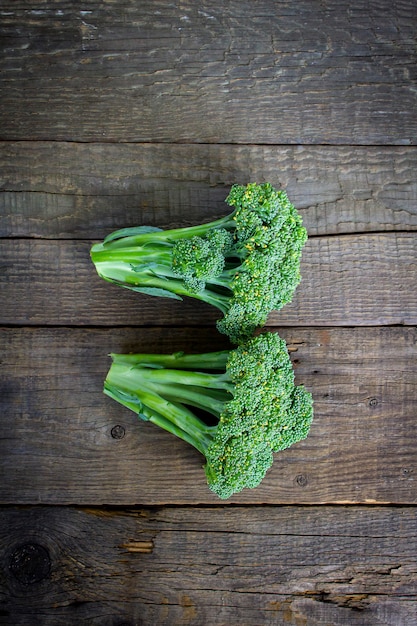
{"x": 269, "y": 566}
{"x": 210, "y": 72}
{"x": 70, "y": 190}
{"x": 347, "y": 280}
{"x": 59, "y": 445}
{"x": 117, "y": 113}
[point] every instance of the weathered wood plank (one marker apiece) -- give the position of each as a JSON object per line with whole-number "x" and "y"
{"x": 236, "y": 72}
{"x": 58, "y": 444}
{"x": 347, "y": 280}
{"x": 271, "y": 566}
{"x": 55, "y": 189}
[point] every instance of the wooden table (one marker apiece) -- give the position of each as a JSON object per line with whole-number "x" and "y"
{"x": 133, "y": 112}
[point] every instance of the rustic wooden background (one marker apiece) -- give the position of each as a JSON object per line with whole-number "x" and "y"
{"x": 124, "y": 112}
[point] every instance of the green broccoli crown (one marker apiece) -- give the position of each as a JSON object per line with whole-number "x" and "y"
{"x": 270, "y": 238}
{"x": 245, "y": 264}
{"x": 260, "y": 419}
{"x": 249, "y": 392}
{"x": 257, "y": 267}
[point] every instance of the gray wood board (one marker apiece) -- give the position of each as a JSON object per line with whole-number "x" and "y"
{"x": 213, "y": 72}
{"x": 269, "y": 565}
{"x": 346, "y": 280}
{"x": 59, "y": 447}
{"x": 81, "y": 190}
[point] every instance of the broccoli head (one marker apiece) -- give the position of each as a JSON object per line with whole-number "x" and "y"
{"x": 245, "y": 264}
{"x": 237, "y": 407}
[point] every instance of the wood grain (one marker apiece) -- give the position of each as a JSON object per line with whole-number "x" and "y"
{"x": 121, "y": 113}
{"x": 59, "y": 443}
{"x": 216, "y": 72}
{"x": 274, "y": 566}
{"x": 347, "y": 280}
{"x": 73, "y": 190}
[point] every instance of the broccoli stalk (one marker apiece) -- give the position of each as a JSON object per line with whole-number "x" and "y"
{"x": 245, "y": 264}
{"x": 236, "y": 407}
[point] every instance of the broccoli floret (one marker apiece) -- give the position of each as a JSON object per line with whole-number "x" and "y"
{"x": 246, "y": 264}
{"x": 235, "y": 406}
{"x": 199, "y": 259}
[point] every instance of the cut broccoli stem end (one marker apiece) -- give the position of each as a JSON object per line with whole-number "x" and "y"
{"x": 146, "y": 279}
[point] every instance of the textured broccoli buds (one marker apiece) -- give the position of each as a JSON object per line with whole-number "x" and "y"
{"x": 199, "y": 260}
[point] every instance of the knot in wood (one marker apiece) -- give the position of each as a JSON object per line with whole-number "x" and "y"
{"x": 118, "y": 432}
{"x": 301, "y": 480}
{"x": 30, "y": 563}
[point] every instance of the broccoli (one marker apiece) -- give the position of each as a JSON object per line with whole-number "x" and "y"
{"x": 245, "y": 264}
{"x": 235, "y": 406}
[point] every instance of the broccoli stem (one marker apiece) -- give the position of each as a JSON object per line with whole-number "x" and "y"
{"x": 130, "y": 254}
{"x": 163, "y": 377}
{"x": 170, "y": 236}
{"x": 159, "y": 395}
{"x": 153, "y": 273}
{"x": 144, "y": 260}
{"x": 179, "y": 360}
{"x": 129, "y": 275}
